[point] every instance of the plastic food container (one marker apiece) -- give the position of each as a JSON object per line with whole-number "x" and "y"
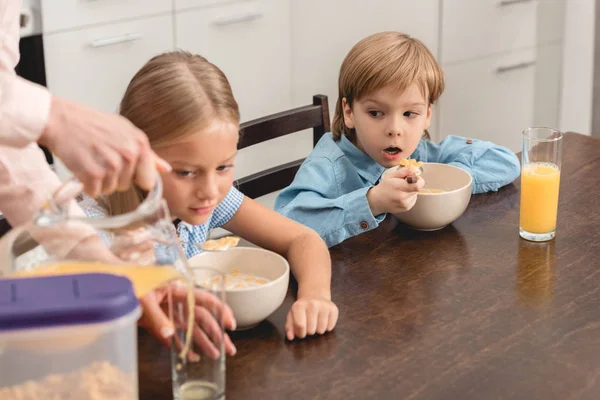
{"x": 68, "y": 337}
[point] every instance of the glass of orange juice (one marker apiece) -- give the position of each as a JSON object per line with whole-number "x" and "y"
{"x": 540, "y": 183}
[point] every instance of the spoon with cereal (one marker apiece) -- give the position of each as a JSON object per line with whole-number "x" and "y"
{"x": 414, "y": 165}
{"x": 221, "y": 244}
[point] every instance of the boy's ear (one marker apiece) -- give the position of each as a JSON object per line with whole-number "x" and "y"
{"x": 348, "y": 115}
{"x": 429, "y": 114}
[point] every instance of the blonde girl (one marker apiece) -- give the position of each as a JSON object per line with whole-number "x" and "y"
{"x": 185, "y": 106}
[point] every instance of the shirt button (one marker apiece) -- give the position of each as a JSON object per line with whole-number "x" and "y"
{"x": 364, "y": 225}
{"x": 469, "y": 141}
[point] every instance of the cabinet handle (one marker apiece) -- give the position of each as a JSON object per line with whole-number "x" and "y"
{"x": 511, "y": 2}
{"x": 23, "y": 20}
{"x": 128, "y": 37}
{"x": 234, "y": 19}
{"x": 522, "y": 65}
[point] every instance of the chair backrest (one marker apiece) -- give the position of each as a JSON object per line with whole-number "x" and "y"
{"x": 4, "y": 225}
{"x": 315, "y": 116}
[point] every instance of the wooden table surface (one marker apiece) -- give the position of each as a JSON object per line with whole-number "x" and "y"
{"x": 468, "y": 312}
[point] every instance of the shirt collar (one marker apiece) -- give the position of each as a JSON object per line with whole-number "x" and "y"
{"x": 186, "y": 239}
{"x": 367, "y": 168}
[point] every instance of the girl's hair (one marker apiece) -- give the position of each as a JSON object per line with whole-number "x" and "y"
{"x": 173, "y": 96}
{"x": 382, "y": 59}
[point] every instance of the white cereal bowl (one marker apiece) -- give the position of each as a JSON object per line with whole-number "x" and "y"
{"x": 434, "y": 211}
{"x": 254, "y": 304}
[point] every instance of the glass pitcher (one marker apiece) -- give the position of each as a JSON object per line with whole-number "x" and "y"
{"x": 56, "y": 235}
{"x": 141, "y": 245}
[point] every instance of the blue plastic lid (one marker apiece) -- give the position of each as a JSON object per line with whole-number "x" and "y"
{"x": 46, "y": 302}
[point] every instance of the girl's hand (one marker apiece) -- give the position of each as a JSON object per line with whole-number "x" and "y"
{"x": 309, "y": 316}
{"x": 394, "y": 194}
{"x": 206, "y": 332}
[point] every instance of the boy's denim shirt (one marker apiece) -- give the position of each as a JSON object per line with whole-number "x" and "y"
{"x": 329, "y": 192}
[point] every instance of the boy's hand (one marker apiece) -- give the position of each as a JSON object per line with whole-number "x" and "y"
{"x": 394, "y": 194}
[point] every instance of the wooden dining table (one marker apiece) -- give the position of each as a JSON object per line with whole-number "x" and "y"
{"x": 471, "y": 311}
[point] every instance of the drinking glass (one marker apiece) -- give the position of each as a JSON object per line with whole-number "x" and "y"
{"x": 540, "y": 182}
{"x": 201, "y": 375}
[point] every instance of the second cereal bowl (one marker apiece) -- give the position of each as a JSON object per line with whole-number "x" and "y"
{"x": 250, "y": 305}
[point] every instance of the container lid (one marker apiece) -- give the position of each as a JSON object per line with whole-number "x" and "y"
{"x": 53, "y": 301}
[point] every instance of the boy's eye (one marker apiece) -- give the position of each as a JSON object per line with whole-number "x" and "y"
{"x": 375, "y": 113}
{"x": 223, "y": 168}
{"x": 410, "y": 114}
{"x": 184, "y": 173}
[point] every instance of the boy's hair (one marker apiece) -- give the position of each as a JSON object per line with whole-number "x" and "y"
{"x": 173, "y": 96}
{"x": 382, "y": 59}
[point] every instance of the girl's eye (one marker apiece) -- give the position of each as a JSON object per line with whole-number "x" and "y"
{"x": 410, "y": 114}
{"x": 184, "y": 173}
{"x": 224, "y": 168}
{"x": 375, "y": 113}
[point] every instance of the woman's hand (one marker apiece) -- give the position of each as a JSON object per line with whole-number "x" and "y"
{"x": 206, "y": 330}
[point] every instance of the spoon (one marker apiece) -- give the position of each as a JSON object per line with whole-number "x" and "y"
{"x": 222, "y": 244}
{"x": 417, "y": 171}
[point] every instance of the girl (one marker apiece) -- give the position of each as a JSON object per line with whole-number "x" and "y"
{"x": 185, "y": 106}
{"x": 387, "y": 86}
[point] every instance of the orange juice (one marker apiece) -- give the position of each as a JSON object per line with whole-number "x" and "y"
{"x": 144, "y": 278}
{"x": 539, "y": 197}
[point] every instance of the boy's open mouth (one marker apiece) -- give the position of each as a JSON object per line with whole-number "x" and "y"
{"x": 392, "y": 150}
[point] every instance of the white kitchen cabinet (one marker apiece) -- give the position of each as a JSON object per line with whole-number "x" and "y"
{"x": 477, "y": 28}
{"x": 250, "y": 43}
{"x": 550, "y": 21}
{"x": 94, "y": 65}
{"x": 547, "y": 86}
{"x": 187, "y": 4}
{"x": 68, "y": 14}
{"x": 490, "y": 99}
{"x": 324, "y": 31}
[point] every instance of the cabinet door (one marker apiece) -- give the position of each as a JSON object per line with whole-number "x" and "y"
{"x": 478, "y": 28}
{"x": 68, "y": 14}
{"x": 94, "y": 65}
{"x": 187, "y": 4}
{"x": 490, "y": 99}
{"x": 324, "y": 31}
{"x": 250, "y": 42}
{"x": 550, "y": 21}
{"x": 547, "y": 86}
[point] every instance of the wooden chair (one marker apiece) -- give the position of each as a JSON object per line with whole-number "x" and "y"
{"x": 315, "y": 116}
{"x": 4, "y": 225}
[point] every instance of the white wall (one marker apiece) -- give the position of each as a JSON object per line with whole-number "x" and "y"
{"x": 578, "y": 67}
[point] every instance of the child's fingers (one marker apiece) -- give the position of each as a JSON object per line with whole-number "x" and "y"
{"x": 299, "y": 321}
{"x": 312, "y": 318}
{"x": 333, "y": 318}
{"x": 323, "y": 321}
{"x": 289, "y": 326}
{"x": 404, "y": 186}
